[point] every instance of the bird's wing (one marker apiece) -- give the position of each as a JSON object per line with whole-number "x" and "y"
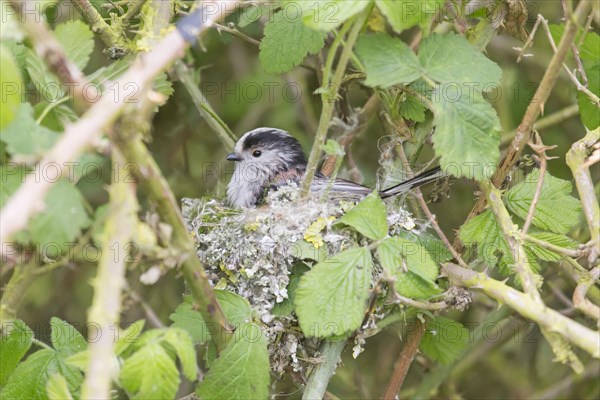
{"x": 322, "y": 182}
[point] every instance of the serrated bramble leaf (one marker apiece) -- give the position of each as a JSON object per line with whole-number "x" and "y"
{"x": 412, "y": 109}
{"x": 65, "y": 337}
{"x": 467, "y": 135}
{"x": 182, "y": 343}
{"x": 240, "y": 372}
{"x": 14, "y": 343}
{"x": 444, "y": 340}
{"x": 404, "y": 14}
{"x": 77, "y": 40}
{"x": 62, "y": 220}
{"x": 11, "y": 83}
{"x": 235, "y": 307}
{"x": 57, "y": 388}
{"x": 410, "y": 266}
{"x": 185, "y": 317}
{"x": 286, "y": 43}
{"x": 388, "y": 61}
{"x": 331, "y": 297}
{"x": 25, "y": 137}
{"x": 287, "y": 306}
{"x": 29, "y": 379}
{"x": 484, "y": 232}
{"x": 450, "y": 58}
{"x": 556, "y": 211}
{"x": 129, "y": 336}
{"x": 590, "y": 48}
{"x": 368, "y": 217}
{"x": 327, "y": 15}
{"x": 150, "y": 373}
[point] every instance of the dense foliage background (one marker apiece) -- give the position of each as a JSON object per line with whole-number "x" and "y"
{"x": 254, "y": 71}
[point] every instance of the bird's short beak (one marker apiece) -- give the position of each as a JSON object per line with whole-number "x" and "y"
{"x": 233, "y": 157}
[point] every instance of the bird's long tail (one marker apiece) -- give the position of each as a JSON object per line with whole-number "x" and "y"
{"x": 419, "y": 180}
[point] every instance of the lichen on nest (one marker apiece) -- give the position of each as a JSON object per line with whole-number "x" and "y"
{"x": 257, "y": 252}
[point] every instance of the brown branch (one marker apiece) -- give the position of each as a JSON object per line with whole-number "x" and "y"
{"x": 405, "y": 358}
{"x": 536, "y": 105}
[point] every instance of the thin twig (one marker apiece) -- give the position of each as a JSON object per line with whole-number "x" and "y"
{"x": 237, "y": 33}
{"x": 540, "y": 149}
{"x": 405, "y": 358}
{"x": 111, "y": 37}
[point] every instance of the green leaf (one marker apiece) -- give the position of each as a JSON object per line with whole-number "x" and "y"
{"x": 235, "y": 307}
{"x": 185, "y": 317}
{"x": 11, "y": 84}
{"x": 467, "y": 135}
{"x": 62, "y": 220}
{"x": 241, "y": 371}
{"x": 14, "y": 344}
{"x": 556, "y": 211}
{"x": 410, "y": 266}
{"x": 331, "y": 298}
{"x": 150, "y": 373}
{"x": 326, "y": 15}
{"x": 368, "y": 217}
{"x": 450, "y": 58}
{"x": 484, "y": 232}
{"x": 412, "y": 109}
{"x": 65, "y": 337}
{"x": 589, "y": 112}
{"x": 444, "y": 340}
{"x": 387, "y": 61}
{"x": 590, "y": 48}
{"x": 30, "y": 378}
{"x": 77, "y": 40}
{"x": 404, "y": 14}
{"x": 129, "y": 336}
{"x": 57, "y": 388}
{"x": 182, "y": 343}
{"x": 25, "y": 137}
{"x": 286, "y": 43}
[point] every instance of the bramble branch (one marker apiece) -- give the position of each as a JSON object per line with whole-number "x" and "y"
{"x": 525, "y": 305}
{"x": 110, "y": 281}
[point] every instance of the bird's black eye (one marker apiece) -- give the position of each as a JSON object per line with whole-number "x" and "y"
{"x": 256, "y": 153}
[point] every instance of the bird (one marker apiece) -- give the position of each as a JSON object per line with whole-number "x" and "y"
{"x": 268, "y": 158}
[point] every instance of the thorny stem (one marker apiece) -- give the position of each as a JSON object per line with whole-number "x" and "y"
{"x": 202, "y": 105}
{"x": 157, "y": 188}
{"x": 319, "y": 378}
{"x": 110, "y": 280}
{"x": 525, "y": 305}
{"x": 576, "y": 159}
{"x": 405, "y": 358}
{"x": 237, "y": 33}
{"x": 111, "y": 37}
{"x": 522, "y": 267}
{"x": 536, "y": 105}
{"x": 329, "y": 99}
{"x": 579, "y": 300}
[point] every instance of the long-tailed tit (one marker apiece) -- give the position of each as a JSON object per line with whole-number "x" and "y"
{"x": 268, "y": 158}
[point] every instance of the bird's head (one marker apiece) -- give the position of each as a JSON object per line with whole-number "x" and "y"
{"x": 261, "y": 155}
